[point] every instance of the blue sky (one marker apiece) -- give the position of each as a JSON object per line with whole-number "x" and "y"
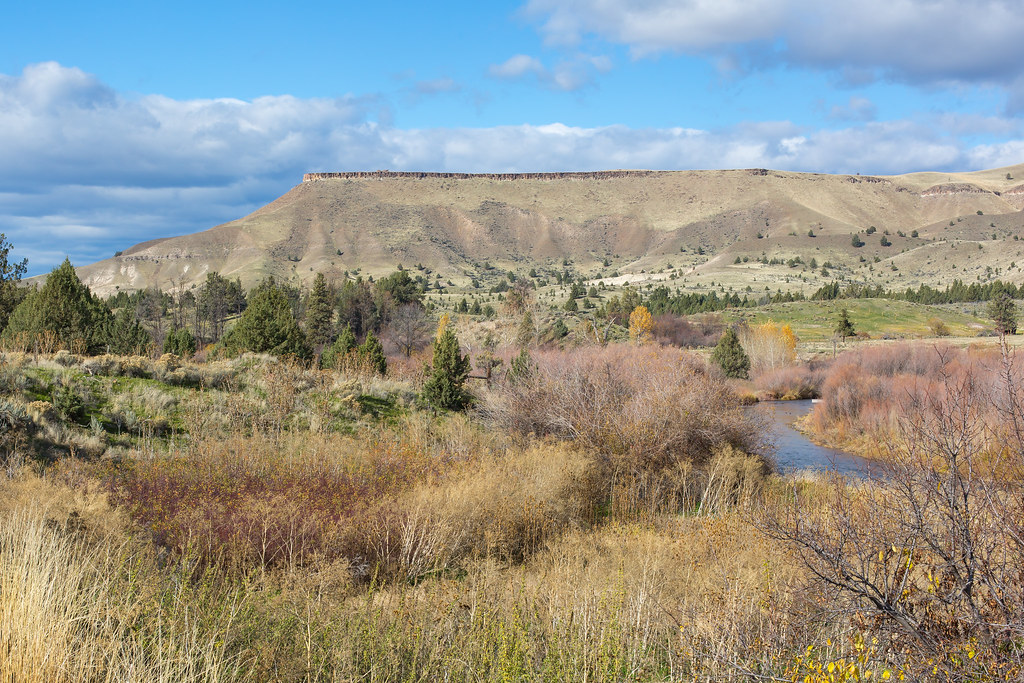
{"x": 129, "y": 121}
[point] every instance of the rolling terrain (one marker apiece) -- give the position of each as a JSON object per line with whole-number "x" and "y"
{"x": 696, "y": 227}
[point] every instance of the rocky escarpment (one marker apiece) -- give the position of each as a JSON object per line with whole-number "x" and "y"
{"x": 1015, "y": 196}
{"x": 380, "y": 175}
{"x": 951, "y": 189}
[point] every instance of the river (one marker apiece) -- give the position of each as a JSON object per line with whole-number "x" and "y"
{"x": 794, "y": 451}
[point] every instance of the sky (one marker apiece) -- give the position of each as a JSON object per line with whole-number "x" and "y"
{"x": 126, "y": 121}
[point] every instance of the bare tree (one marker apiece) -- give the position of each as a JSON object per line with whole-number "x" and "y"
{"x": 410, "y": 327}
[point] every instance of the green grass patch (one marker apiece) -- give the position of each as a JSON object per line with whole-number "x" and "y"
{"x": 816, "y": 320}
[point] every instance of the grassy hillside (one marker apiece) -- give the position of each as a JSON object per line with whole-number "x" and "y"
{"x": 695, "y": 223}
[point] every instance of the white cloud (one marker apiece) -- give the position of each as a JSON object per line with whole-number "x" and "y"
{"x": 517, "y": 66}
{"x": 86, "y": 171}
{"x": 567, "y": 75}
{"x": 912, "y": 40}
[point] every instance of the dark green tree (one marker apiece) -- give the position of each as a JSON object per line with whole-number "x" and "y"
{"x": 372, "y": 353}
{"x": 125, "y": 334}
{"x": 844, "y": 328}
{"x": 521, "y": 368}
{"x": 730, "y": 356}
{"x": 268, "y": 325}
{"x": 319, "y": 313}
{"x": 180, "y": 342}
{"x": 856, "y": 241}
{"x": 64, "y": 310}
{"x": 10, "y": 277}
{"x": 1003, "y": 312}
{"x": 446, "y": 376}
{"x": 342, "y": 346}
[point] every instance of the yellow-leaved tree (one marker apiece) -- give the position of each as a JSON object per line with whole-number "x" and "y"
{"x": 641, "y": 325}
{"x": 769, "y": 346}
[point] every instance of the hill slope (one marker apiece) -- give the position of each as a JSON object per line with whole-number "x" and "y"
{"x": 637, "y": 220}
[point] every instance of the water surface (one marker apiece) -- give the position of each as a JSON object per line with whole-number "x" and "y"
{"x": 794, "y": 451}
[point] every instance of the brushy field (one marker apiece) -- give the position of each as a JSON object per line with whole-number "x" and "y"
{"x": 609, "y": 515}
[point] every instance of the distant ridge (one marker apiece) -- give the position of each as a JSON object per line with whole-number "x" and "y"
{"x": 422, "y": 175}
{"x": 743, "y": 228}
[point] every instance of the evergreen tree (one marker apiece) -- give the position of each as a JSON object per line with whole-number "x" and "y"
{"x": 63, "y": 310}
{"x": 342, "y": 346}
{"x": 844, "y": 328}
{"x": 1003, "y": 312}
{"x": 446, "y": 376}
{"x": 521, "y": 368}
{"x": 10, "y": 277}
{"x": 372, "y": 353}
{"x": 319, "y": 313}
{"x": 571, "y": 306}
{"x": 268, "y": 325}
{"x": 180, "y": 342}
{"x": 730, "y": 356}
{"x": 525, "y": 333}
{"x": 125, "y": 334}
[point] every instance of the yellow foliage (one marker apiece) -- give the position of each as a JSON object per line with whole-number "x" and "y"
{"x": 640, "y": 325}
{"x": 442, "y": 324}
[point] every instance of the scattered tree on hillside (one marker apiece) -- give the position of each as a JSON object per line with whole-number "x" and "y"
{"x": 844, "y": 328}
{"x": 640, "y": 325}
{"x": 1003, "y": 312}
{"x": 446, "y": 376}
{"x": 729, "y": 356}
{"x": 268, "y": 325}
{"x": 856, "y": 241}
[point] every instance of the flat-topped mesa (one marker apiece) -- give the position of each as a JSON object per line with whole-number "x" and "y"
{"x": 569, "y": 175}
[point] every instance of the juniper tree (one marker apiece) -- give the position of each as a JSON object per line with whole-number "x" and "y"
{"x": 844, "y": 328}
{"x": 268, "y": 325}
{"x": 372, "y": 353}
{"x": 730, "y": 356}
{"x": 446, "y": 376}
{"x": 319, "y": 313}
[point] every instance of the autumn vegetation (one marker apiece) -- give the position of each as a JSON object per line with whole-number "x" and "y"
{"x": 346, "y": 485}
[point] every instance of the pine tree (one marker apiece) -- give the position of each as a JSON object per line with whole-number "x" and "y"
{"x": 730, "y": 356}
{"x": 446, "y": 376}
{"x": 268, "y": 325}
{"x": 1003, "y": 312}
{"x": 844, "y": 328}
{"x": 319, "y": 313}
{"x": 372, "y": 353}
{"x": 524, "y": 336}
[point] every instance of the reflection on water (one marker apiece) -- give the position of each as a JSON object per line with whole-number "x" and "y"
{"x": 795, "y": 452}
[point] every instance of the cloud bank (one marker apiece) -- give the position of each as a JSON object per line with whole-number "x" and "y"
{"x": 87, "y": 170}
{"x": 918, "y": 41}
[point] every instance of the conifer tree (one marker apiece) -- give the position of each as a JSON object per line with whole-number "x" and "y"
{"x": 730, "y": 356}
{"x": 319, "y": 313}
{"x": 65, "y": 310}
{"x": 844, "y": 328}
{"x": 345, "y": 344}
{"x": 268, "y": 325}
{"x": 125, "y": 334}
{"x": 446, "y": 376}
{"x": 180, "y": 343}
{"x": 372, "y": 353}
{"x": 1003, "y": 312}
